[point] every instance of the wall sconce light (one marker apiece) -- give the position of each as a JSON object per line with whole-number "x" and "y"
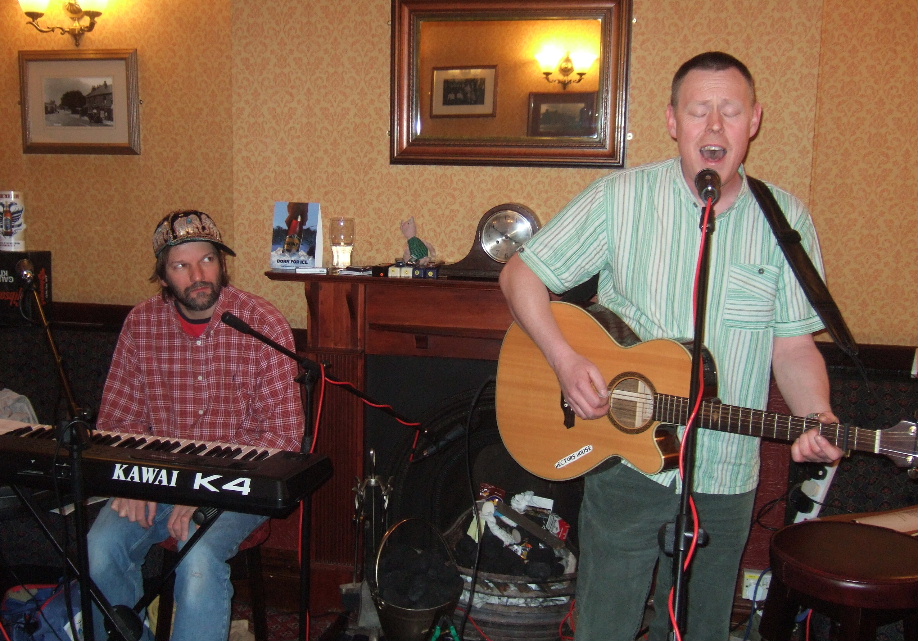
{"x": 553, "y": 59}
{"x": 92, "y": 9}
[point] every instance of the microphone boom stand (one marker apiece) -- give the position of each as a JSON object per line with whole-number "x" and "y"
{"x": 313, "y": 373}
{"x": 26, "y": 273}
{"x": 70, "y": 436}
{"x": 311, "y": 367}
{"x": 684, "y": 525}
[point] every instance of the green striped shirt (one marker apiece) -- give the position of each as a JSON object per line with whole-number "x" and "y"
{"x": 639, "y": 229}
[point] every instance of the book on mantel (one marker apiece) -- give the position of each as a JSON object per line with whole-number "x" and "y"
{"x": 296, "y": 239}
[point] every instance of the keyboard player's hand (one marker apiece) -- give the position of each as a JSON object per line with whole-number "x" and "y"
{"x": 179, "y": 520}
{"x": 135, "y": 510}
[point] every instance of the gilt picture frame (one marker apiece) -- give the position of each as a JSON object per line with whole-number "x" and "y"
{"x": 80, "y": 102}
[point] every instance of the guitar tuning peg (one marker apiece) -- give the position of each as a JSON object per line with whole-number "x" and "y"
{"x": 913, "y": 473}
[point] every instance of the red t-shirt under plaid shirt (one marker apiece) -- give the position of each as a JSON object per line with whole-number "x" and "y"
{"x": 222, "y": 386}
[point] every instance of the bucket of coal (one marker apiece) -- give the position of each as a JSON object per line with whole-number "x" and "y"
{"x": 416, "y": 580}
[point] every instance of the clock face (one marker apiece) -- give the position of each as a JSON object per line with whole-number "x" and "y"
{"x": 504, "y": 232}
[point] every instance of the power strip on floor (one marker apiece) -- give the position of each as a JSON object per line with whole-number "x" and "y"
{"x": 755, "y": 584}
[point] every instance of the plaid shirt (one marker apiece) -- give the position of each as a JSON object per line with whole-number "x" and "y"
{"x": 223, "y": 386}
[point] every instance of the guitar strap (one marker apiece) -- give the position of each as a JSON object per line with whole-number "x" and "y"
{"x": 801, "y": 264}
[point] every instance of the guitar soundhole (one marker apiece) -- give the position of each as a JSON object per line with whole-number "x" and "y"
{"x": 631, "y": 402}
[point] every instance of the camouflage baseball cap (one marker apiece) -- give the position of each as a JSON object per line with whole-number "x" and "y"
{"x": 185, "y": 227}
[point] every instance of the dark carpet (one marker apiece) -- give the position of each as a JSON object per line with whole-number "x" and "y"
{"x": 283, "y": 625}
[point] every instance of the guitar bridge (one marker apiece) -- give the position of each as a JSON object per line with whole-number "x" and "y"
{"x": 569, "y": 415}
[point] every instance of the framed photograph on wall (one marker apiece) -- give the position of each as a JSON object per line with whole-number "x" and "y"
{"x": 79, "y": 102}
{"x": 464, "y": 91}
{"x": 562, "y": 114}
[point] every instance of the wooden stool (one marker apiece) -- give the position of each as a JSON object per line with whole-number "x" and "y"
{"x": 862, "y": 576}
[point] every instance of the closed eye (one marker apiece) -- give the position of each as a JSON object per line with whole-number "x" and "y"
{"x": 731, "y": 109}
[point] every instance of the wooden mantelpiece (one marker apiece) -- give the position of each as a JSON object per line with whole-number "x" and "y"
{"x": 403, "y": 316}
{"x": 351, "y": 318}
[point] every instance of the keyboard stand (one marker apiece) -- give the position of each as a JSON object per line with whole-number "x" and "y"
{"x": 86, "y": 582}
{"x": 305, "y": 579}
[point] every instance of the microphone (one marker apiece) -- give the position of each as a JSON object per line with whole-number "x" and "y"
{"x": 240, "y": 325}
{"x": 237, "y": 323}
{"x": 707, "y": 182}
{"x": 450, "y": 437}
{"x": 25, "y": 270}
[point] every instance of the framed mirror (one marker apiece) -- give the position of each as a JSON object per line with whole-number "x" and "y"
{"x": 510, "y": 82}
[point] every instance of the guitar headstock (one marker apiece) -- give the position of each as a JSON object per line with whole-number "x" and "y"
{"x": 900, "y": 443}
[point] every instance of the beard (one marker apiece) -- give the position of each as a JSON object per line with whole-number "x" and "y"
{"x": 198, "y": 297}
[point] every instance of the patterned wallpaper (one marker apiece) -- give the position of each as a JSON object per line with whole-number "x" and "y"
{"x": 97, "y": 213}
{"x": 866, "y": 167}
{"x": 242, "y": 108}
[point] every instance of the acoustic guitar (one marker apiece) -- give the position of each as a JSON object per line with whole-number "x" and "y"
{"x": 649, "y": 389}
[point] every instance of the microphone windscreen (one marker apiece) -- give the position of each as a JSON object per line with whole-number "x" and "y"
{"x": 24, "y": 269}
{"x": 707, "y": 182}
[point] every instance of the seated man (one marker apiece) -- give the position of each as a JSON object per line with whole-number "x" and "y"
{"x": 179, "y": 372}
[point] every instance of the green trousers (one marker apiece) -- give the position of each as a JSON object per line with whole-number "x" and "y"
{"x": 620, "y": 519}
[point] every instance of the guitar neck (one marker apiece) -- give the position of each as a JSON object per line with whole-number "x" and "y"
{"x": 716, "y": 416}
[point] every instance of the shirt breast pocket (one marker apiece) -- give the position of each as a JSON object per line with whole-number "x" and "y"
{"x": 751, "y": 292}
{"x": 241, "y": 386}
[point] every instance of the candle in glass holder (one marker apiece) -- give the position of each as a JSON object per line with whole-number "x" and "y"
{"x": 341, "y": 233}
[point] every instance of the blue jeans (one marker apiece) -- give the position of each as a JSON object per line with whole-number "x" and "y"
{"x": 620, "y": 518}
{"x": 118, "y": 547}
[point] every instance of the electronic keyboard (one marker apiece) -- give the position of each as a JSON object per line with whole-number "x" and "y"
{"x": 255, "y": 480}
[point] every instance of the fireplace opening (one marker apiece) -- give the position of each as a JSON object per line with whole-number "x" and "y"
{"x": 416, "y": 386}
{"x": 438, "y": 488}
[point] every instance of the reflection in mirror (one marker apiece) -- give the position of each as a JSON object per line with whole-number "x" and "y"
{"x": 516, "y": 45}
{"x": 514, "y": 82}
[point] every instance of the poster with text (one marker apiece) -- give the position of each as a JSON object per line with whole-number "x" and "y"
{"x": 296, "y": 241}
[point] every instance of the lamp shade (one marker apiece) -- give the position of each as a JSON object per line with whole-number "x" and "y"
{"x": 583, "y": 60}
{"x": 33, "y": 6}
{"x": 549, "y": 58}
{"x": 93, "y": 5}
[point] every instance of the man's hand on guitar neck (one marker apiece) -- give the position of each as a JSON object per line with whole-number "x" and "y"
{"x": 811, "y": 447}
{"x": 800, "y": 372}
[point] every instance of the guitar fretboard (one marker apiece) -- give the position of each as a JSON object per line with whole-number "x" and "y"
{"x": 740, "y": 420}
